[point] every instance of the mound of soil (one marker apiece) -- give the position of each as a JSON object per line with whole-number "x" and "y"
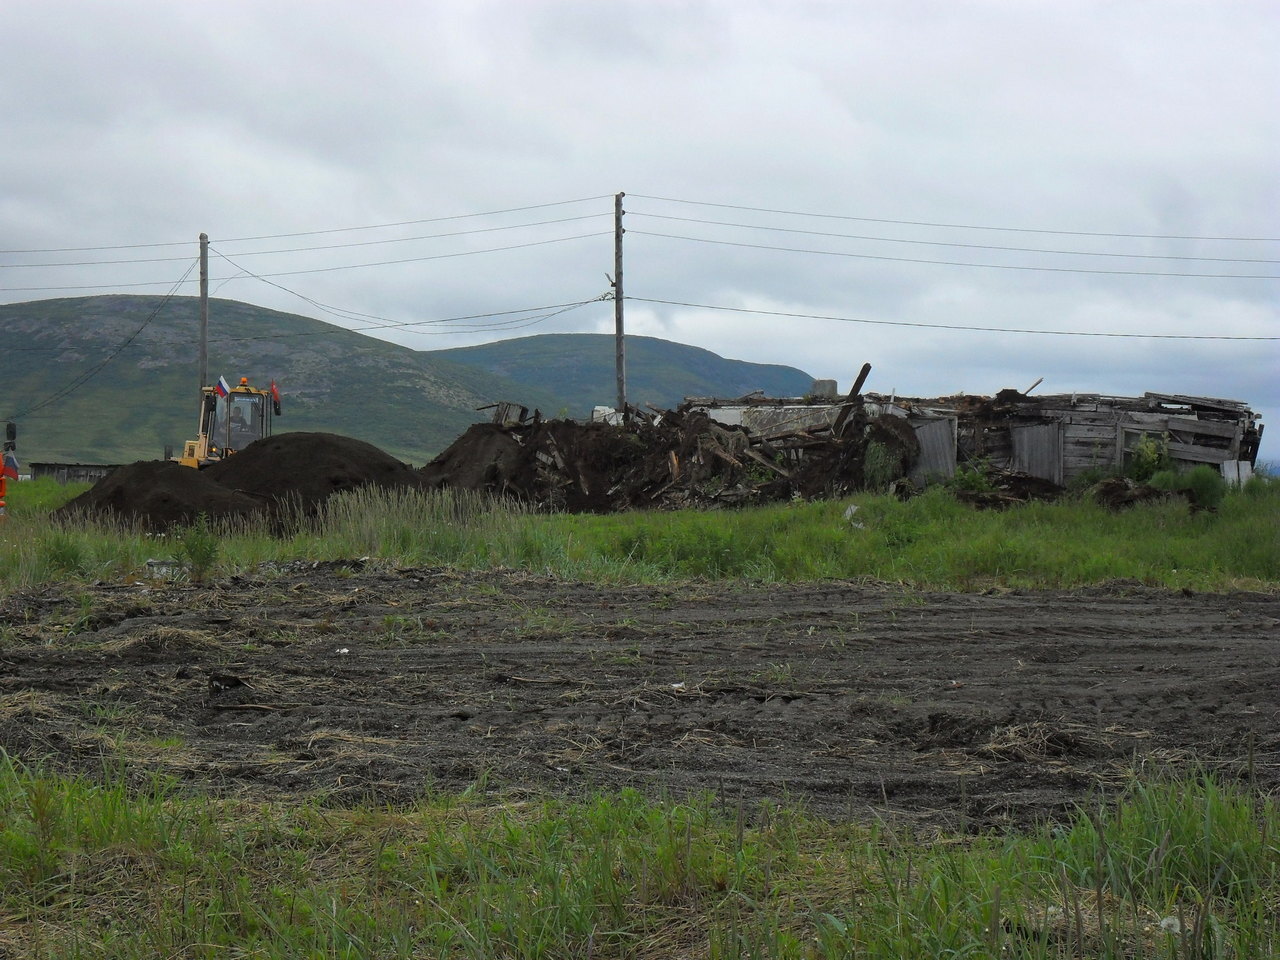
{"x": 1120, "y": 492}
{"x": 268, "y": 477}
{"x": 308, "y": 468}
{"x": 483, "y": 458}
{"x": 159, "y": 494}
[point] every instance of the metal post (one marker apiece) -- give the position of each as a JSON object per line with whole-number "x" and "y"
{"x": 204, "y": 310}
{"x": 620, "y": 359}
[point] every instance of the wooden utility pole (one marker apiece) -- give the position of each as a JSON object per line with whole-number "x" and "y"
{"x": 204, "y": 310}
{"x": 620, "y": 359}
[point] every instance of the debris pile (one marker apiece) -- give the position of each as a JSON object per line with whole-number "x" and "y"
{"x": 674, "y": 458}
{"x": 272, "y": 477}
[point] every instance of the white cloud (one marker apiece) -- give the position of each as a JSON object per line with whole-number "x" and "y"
{"x": 143, "y": 122}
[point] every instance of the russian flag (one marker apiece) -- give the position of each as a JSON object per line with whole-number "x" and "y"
{"x": 10, "y": 465}
{"x": 222, "y": 388}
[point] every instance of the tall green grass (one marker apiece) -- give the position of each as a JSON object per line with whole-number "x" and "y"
{"x": 1175, "y": 870}
{"x": 929, "y": 541}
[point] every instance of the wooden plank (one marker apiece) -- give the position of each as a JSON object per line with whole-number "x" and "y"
{"x": 1078, "y": 465}
{"x": 1146, "y": 421}
{"x": 1093, "y": 454}
{"x": 1198, "y": 454}
{"x": 1204, "y": 403}
{"x": 1212, "y": 428}
{"x": 1080, "y": 431}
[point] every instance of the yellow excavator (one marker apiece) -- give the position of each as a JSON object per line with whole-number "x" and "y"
{"x": 231, "y": 418}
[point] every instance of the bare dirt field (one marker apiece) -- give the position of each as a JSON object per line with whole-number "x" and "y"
{"x": 953, "y": 711}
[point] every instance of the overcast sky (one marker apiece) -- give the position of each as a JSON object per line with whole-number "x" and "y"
{"x": 848, "y": 160}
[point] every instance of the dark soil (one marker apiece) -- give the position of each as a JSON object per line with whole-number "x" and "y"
{"x": 855, "y": 699}
{"x": 158, "y": 494}
{"x": 276, "y": 476}
{"x": 308, "y": 468}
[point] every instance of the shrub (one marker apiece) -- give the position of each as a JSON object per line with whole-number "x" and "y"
{"x": 1148, "y": 457}
{"x": 879, "y": 467}
{"x": 972, "y": 477}
{"x": 1203, "y": 485}
{"x": 1206, "y": 486}
{"x": 198, "y": 546}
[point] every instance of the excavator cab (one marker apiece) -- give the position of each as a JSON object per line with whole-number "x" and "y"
{"x": 230, "y": 422}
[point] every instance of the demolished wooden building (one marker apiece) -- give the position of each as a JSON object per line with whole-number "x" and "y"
{"x": 1055, "y": 437}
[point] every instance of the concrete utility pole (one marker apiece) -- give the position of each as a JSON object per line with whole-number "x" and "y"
{"x": 620, "y": 359}
{"x": 204, "y": 310}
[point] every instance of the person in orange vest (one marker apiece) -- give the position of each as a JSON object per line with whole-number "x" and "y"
{"x": 9, "y": 465}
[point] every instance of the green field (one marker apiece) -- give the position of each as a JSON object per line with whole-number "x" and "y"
{"x": 94, "y": 868}
{"x": 930, "y": 541}
{"x": 108, "y": 864}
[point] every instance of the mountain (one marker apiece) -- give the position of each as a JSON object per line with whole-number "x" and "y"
{"x": 661, "y": 373}
{"x": 113, "y": 379}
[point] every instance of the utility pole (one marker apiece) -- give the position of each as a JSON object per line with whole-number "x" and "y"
{"x": 620, "y": 359}
{"x": 204, "y": 310}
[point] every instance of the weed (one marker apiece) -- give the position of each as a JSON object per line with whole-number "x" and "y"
{"x": 1170, "y": 870}
{"x": 880, "y": 467}
{"x": 1149, "y": 456}
{"x": 198, "y": 547}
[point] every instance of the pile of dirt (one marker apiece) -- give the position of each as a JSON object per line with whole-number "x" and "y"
{"x": 268, "y": 478}
{"x": 1120, "y": 492}
{"x": 1008, "y": 488}
{"x": 674, "y": 458}
{"x": 158, "y": 494}
{"x": 308, "y": 468}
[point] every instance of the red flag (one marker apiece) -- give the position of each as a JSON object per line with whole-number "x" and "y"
{"x": 275, "y": 398}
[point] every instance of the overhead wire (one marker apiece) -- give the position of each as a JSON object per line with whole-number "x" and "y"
{"x": 386, "y": 323}
{"x": 943, "y": 243}
{"x": 960, "y": 263}
{"x": 942, "y": 326}
{"x": 329, "y": 246}
{"x": 954, "y": 226}
{"x": 314, "y": 233}
{"x": 84, "y": 377}
{"x": 331, "y": 269}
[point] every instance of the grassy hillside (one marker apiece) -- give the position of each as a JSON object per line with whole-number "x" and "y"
{"x": 113, "y": 379}
{"x": 659, "y": 372}
{"x": 144, "y": 395}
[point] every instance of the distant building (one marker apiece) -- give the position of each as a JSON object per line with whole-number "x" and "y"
{"x": 1054, "y": 437}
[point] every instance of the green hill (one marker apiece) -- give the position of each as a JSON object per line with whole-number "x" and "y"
{"x": 112, "y": 379}
{"x": 659, "y": 372}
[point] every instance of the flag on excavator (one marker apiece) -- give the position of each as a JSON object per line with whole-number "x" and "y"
{"x": 222, "y": 388}
{"x": 275, "y": 398}
{"x": 10, "y": 469}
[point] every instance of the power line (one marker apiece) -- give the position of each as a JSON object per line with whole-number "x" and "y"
{"x": 383, "y": 323}
{"x": 329, "y": 246}
{"x": 942, "y": 243}
{"x": 77, "y": 382}
{"x": 314, "y": 233}
{"x": 954, "y": 226}
{"x": 348, "y": 266}
{"x": 960, "y": 263}
{"x": 944, "y": 326}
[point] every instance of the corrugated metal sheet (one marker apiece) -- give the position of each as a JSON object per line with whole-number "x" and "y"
{"x": 1037, "y": 450}
{"x": 937, "y": 450}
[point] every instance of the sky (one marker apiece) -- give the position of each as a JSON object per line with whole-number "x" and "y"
{"x": 807, "y": 183}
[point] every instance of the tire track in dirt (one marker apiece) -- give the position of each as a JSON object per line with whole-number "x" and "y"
{"x": 857, "y": 699}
